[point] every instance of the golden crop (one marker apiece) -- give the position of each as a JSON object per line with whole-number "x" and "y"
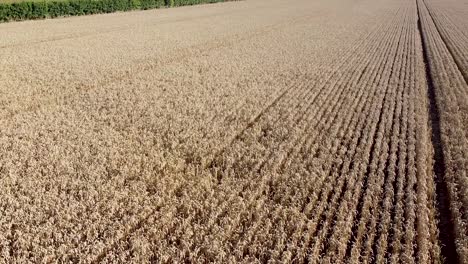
{"x": 243, "y": 132}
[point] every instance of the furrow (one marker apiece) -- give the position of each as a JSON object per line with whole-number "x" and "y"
{"x": 446, "y": 88}
{"x": 423, "y": 217}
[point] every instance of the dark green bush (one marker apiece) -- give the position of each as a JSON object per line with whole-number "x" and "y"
{"x": 77, "y": 8}
{"x": 58, "y": 8}
{"x": 20, "y": 11}
{"x": 92, "y": 7}
{"x": 149, "y": 4}
{"x": 4, "y": 12}
{"x": 194, "y": 2}
{"x": 39, "y": 10}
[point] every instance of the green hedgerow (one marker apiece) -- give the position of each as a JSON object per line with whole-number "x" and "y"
{"x": 58, "y": 8}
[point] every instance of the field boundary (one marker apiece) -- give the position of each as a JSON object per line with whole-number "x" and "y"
{"x": 31, "y": 10}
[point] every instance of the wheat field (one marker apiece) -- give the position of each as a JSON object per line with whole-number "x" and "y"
{"x": 257, "y": 131}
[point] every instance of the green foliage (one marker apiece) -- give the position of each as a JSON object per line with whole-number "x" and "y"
{"x": 193, "y": 2}
{"x": 150, "y": 4}
{"x": 39, "y": 10}
{"x": 4, "y": 12}
{"x": 20, "y": 11}
{"x": 59, "y": 8}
